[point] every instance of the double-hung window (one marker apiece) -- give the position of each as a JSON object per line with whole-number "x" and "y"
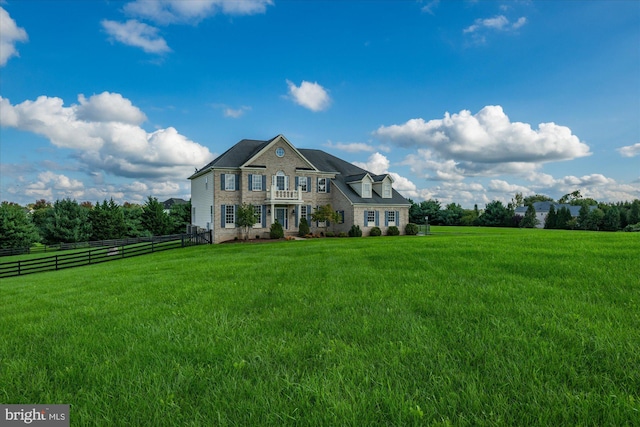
{"x": 256, "y": 183}
{"x": 258, "y": 211}
{"x": 281, "y": 181}
{"x": 322, "y": 185}
{"x": 371, "y": 218}
{"x": 230, "y": 216}
{"x": 391, "y": 217}
{"x": 302, "y": 183}
{"x": 303, "y": 211}
{"x": 229, "y": 182}
{"x": 386, "y": 191}
{"x": 366, "y": 190}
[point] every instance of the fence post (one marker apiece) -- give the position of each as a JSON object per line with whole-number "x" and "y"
{"x": 56, "y": 262}
{"x": 19, "y": 268}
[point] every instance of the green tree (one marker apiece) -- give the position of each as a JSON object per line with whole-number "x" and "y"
{"x": 132, "y": 219}
{"x": 16, "y": 229}
{"x": 154, "y": 220}
{"x": 583, "y": 215}
{"x": 452, "y": 214}
{"x": 246, "y": 218}
{"x": 633, "y": 216}
{"x": 611, "y": 219}
{"x": 495, "y": 215}
{"x": 39, "y": 213}
{"x": 529, "y": 200}
{"x": 303, "y": 228}
{"x": 594, "y": 220}
{"x": 563, "y": 218}
{"x": 551, "y": 219}
{"x": 570, "y": 197}
{"x": 529, "y": 220}
{"x": 179, "y": 217}
{"x": 67, "y": 222}
{"x": 107, "y": 221}
{"x": 325, "y": 214}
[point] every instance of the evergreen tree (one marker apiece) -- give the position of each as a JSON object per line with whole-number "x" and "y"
{"x": 67, "y": 222}
{"x": 551, "y": 219}
{"x": 529, "y": 220}
{"x": 179, "y": 217}
{"x": 495, "y": 215}
{"x": 594, "y": 220}
{"x": 563, "y": 218}
{"x": 132, "y": 219}
{"x": 611, "y": 219}
{"x": 633, "y": 216}
{"x": 154, "y": 220}
{"x": 583, "y": 215}
{"x": 16, "y": 229}
{"x": 39, "y": 213}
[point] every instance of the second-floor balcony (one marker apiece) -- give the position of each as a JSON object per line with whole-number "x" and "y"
{"x": 274, "y": 195}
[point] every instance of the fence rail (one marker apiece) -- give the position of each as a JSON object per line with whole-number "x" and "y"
{"x": 103, "y": 254}
{"x": 75, "y": 245}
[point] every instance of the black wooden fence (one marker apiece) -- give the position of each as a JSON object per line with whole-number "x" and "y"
{"x": 103, "y": 254}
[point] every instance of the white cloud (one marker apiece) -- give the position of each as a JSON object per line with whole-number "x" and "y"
{"x": 107, "y": 140}
{"x": 376, "y": 163}
{"x": 429, "y": 7}
{"x": 309, "y": 95}
{"x": 235, "y": 113}
{"x": 350, "y": 147}
{"x": 109, "y": 107}
{"x": 137, "y": 34}
{"x": 487, "y": 137}
{"x": 504, "y": 187}
{"x": 630, "y": 150}
{"x": 165, "y": 12}
{"x": 497, "y": 23}
{"x": 10, "y": 34}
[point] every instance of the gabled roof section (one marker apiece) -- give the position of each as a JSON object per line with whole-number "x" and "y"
{"x": 357, "y": 178}
{"x": 278, "y": 139}
{"x": 345, "y": 173}
{"x": 234, "y": 156}
{"x": 380, "y": 178}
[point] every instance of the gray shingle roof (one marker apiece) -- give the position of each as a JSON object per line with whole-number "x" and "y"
{"x": 345, "y": 172}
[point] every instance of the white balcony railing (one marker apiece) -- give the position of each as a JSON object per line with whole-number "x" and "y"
{"x": 275, "y": 195}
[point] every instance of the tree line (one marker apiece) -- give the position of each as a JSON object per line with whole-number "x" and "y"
{"x": 67, "y": 221}
{"x": 593, "y": 215}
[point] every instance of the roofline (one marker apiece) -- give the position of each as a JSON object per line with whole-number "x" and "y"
{"x": 270, "y": 143}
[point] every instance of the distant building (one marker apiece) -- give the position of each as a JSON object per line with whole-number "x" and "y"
{"x": 542, "y": 210}
{"x": 166, "y": 205}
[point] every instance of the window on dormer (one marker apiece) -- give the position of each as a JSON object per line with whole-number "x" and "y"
{"x": 366, "y": 189}
{"x": 386, "y": 190}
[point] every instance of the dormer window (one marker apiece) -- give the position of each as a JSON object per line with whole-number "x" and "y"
{"x": 386, "y": 190}
{"x": 366, "y": 190}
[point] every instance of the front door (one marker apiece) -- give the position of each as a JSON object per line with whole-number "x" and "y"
{"x": 281, "y": 217}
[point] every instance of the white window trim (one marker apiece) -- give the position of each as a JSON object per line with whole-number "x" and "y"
{"x": 366, "y": 190}
{"x": 256, "y": 183}
{"x": 391, "y": 222}
{"x": 324, "y": 187}
{"x": 228, "y": 224}
{"x": 229, "y": 182}
{"x": 258, "y": 211}
{"x": 302, "y": 183}
{"x": 372, "y": 215}
{"x": 386, "y": 191}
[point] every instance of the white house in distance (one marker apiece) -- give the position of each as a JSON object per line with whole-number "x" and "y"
{"x": 284, "y": 183}
{"x": 542, "y": 210}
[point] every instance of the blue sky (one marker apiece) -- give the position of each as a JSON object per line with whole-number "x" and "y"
{"x": 461, "y": 101}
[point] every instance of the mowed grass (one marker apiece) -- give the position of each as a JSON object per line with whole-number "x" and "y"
{"x": 464, "y": 327}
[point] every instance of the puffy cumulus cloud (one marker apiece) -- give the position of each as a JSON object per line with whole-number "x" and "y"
{"x": 180, "y": 11}
{"x": 379, "y": 164}
{"x": 10, "y": 34}
{"x": 376, "y": 163}
{"x": 596, "y": 186}
{"x": 425, "y": 165}
{"x": 50, "y": 185}
{"x": 106, "y": 139}
{"x": 309, "y": 95}
{"x": 487, "y": 137}
{"x": 630, "y": 150}
{"x": 109, "y": 107}
{"x": 504, "y": 187}
{"x": 350, "y": 147}
{"x": 136, "y": 34}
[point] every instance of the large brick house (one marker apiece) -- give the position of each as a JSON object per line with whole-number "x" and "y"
{"x": 284, "y": 184}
